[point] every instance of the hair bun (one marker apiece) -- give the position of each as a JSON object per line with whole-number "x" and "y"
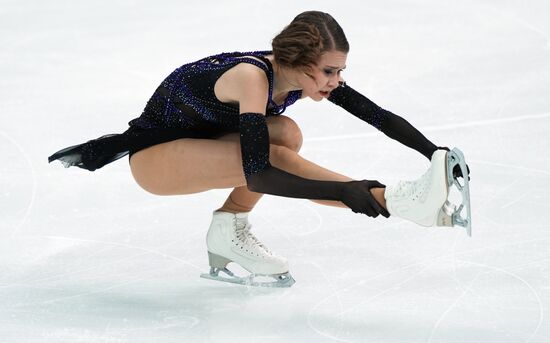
{"x": 306, "y": 38}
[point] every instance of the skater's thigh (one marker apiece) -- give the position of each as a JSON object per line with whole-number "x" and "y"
{"x": 188, "y": 165}
{"x": 191, "y": 165}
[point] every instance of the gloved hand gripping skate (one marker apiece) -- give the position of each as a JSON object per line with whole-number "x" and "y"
{"x": 358, "y": 197}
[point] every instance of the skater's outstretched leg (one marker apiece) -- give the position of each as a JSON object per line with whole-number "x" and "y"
{"x": 425, "y": 200}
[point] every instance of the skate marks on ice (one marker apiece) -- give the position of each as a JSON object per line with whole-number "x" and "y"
{"x": 513, "y": 166}
{"x": 86, "y": 283}
{"x": 12, "y": 174}
{"x": 493, "y": 269}
{"x": 468, "y": 303}
{"x": 435, "y": 128}
{"x": 71, "y": 242}
{"x": 472, "y": 288}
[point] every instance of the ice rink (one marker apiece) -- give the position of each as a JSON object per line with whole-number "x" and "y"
{"x": 91, "y": 257}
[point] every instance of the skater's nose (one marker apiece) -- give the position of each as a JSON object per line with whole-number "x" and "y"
{"x": 333, "y": 82}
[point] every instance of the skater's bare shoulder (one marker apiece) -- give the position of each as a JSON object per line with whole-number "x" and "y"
{"x": 245, "y": 84}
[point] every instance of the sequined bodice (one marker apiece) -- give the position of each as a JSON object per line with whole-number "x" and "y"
{"x": 186, "y": 97}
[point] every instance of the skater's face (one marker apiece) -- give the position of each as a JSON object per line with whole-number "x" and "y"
{"x": 322, "y": 78}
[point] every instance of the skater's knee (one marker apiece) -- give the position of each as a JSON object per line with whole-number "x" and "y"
{"x": 277, "y": 151}
{"x": 293, "y": 135}
{"x": 281, "y": 155}
{"x": 289, "y": 133}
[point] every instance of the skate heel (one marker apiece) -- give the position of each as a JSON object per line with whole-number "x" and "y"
{"x": 445, "y": 215}
{"x": 217, "y": 261}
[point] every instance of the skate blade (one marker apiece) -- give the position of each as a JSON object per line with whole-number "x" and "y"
{"x": 280, "y": 280}
{"x": 456, "y": 157}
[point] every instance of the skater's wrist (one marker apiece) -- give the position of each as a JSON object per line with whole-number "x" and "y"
{"x": 357, "y": 195}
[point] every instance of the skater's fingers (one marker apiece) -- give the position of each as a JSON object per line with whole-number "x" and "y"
{"x": 374, "y": 214}
{"x": 366, "y": 208}
{"x": 457, "y": 171}
{"x": 376, "y": 184}
{"x": 369, "y": 211}
{"x": 384, "y": 212}
{"x": 375, "y": 207}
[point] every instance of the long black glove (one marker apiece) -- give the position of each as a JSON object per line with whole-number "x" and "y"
{"x": 354, "y": 198}
{"x": 262, "y": 177}
{"x": 390, "y": 124}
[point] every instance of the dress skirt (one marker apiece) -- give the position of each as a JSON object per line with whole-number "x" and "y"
{"x": 98, "y": 152}
{"x": 147, "y": 130}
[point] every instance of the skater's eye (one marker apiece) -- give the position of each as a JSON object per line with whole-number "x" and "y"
{"x": 329, "y": 70}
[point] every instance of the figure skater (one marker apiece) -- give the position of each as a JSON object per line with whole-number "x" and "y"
{"x": 218, "y": 123}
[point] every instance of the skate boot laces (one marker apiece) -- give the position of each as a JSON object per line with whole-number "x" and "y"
{"x": 242, "y": 231}
{"x": 413, "y": 189}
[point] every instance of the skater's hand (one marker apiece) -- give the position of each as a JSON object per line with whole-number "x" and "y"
{"x": 457, "y": 172}
{"x": 357, "y": 196}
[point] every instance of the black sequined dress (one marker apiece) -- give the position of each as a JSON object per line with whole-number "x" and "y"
{"x": 183, "y": 106}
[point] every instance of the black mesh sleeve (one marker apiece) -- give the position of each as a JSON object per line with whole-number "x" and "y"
{"x": 390, "y": 124}
{"x": 262, "y": 177}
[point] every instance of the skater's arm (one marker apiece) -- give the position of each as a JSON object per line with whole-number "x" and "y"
{"x": 262, "y": 177}
{"x": 390, "y": 124}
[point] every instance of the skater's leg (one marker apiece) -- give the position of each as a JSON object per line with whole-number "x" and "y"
{"x": 188, "y": 165}
{"x": 282, "y": 131}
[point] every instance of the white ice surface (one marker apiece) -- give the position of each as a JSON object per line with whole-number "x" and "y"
{"x": 91, "y": 257}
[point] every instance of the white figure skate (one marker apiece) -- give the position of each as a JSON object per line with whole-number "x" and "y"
{"x": 229, "y": 240}
{"x": 424, "y": 201}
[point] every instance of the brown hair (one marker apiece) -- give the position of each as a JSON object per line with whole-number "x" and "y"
{"x": 306, "y": 38}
